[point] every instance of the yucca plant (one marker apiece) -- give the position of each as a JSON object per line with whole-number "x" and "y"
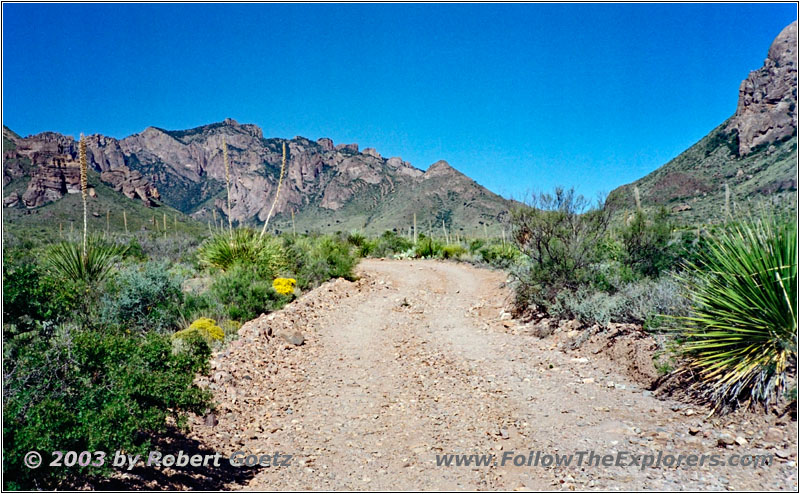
{"x": 741, "y": 335}
{"x": 88, "y": 263}
{"x": 243, "y": 246}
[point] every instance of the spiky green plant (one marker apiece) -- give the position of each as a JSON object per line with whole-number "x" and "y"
{"x": 88, "y": 263}
{"x": 243, "y": 246}
{"x": 741, "y": 336}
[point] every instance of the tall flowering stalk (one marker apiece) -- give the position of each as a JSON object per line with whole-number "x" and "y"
{"x": 84, "y": 189}
{"x": 277, "y": 193}
{"x": 227, "y": 182}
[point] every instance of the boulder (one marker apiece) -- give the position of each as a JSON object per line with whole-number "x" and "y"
{"x": 767, "y": 109}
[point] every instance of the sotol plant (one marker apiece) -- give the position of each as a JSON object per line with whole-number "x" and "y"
{"x": 742, "y": 332}
{"x": 89, "y": 264}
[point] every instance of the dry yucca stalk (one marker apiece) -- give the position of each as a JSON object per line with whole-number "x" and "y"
{"x": 277, "y": 192}
{"x": 84, "y": 189}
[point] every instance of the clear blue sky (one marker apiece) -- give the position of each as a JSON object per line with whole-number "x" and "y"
{"x": 519, "y": 97}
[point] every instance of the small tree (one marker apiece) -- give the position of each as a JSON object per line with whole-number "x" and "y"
{"x": 559, "y": 233}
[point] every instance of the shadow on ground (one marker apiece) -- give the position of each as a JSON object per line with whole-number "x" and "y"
{"x": 210, "y": 478}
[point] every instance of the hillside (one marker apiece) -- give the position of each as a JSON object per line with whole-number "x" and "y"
{"x": 754, "y": 152}
{"x": 328, "y": 187}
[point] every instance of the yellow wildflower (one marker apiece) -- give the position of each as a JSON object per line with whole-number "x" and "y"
{"x": 204, "y": 327}
{"x": 284, "y": 286}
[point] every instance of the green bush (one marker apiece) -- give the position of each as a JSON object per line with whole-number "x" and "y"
{"x": 316, "y": 259}
{"x": 69, "y": 262}
{"x": 389, "y": 243}
{"x": 636, "y": 302}
{"x": 741, "y": 335}
{"x": 427, "y": 248}
{"x": 143, "y": 298}
{"x": 499, "y": 255}
{"x": 558, "y": 235}
{"x": 475, "y": 245}
{"x": 32, "y": 299}
{"x": 646, "y": 239}
{"x": 245, "y": 294}
{"x": 453, "y": 251}
{"x": 89, "y": 390}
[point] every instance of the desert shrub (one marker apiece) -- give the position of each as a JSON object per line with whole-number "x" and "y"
{"x": 32, "y": 299}
{"x": 135, "y": 251}
{"x": 741, "y": 335}
{"x": 244, "y": 246}
{"x": 558, "y": 234}
{"x": 500, "y": 255}
{"x": 389, "y": 243}
{"x": 245, "y": 294}
{"x": 203, "y": 328}
{"x": 177, "y": 246}
{"x": 427, "y": 247}
{"x": 475, "y": 245}
{"x": 196, "y": 305}
{"x": 452, "y": 251}
{"x": 356, "y": 239}
{"x": 316, "y": 259}
{"x": 143, "y": 298}
{"x": 89, "y": 390}
{"x": 646, "y": 239}
{"x": 636, "y": 302}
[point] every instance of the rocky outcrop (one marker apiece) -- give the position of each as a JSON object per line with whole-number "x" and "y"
{"x": 55, "y": 171}
{"x": 767, "y": 109}
{"x": 132, "y": 184}
{"x": 347, "y": 147}
{"x": 53, "y": 181}
{"x": 12, "y": 200}
{"x": 326, "y": 143}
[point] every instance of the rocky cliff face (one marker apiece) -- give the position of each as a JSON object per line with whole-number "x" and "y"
{"x": 767, "y": 109}
{"x": 54, "y": 171}
{"x": 185, "y": 170}
{"x": 752, "y": 156}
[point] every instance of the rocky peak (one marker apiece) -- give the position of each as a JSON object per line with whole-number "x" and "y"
{"x": 326, "y": 143}
{"x": 767, "y": 109}
{"x": 440, "y": 169}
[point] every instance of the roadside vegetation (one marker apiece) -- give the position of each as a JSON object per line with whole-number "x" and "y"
{"x": 102, "y": 343}
{"x": 724, "y": 293}
{"x": 103, "y": 338}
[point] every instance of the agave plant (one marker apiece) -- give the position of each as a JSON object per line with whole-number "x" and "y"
{"x": 741, "y": 335}
{"x": 88, "y": 263}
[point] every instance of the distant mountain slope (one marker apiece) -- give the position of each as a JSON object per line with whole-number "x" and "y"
{"x": 754, "y": 152}
{"x": 327, "y": 187}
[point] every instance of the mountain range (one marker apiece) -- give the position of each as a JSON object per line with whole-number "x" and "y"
{"x": 326, "y": 186}
{"x": 329, "y": 187}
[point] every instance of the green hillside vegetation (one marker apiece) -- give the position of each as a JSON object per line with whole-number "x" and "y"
{"x": 464, "y": 207}
{"x": 696, "y": 179}
{"x": 57, "y": 219}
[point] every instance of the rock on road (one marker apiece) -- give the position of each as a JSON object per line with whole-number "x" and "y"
{"x": 417, "y": 359}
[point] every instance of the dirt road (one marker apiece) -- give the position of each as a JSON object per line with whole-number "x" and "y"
{"x": 417, "y": 359}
